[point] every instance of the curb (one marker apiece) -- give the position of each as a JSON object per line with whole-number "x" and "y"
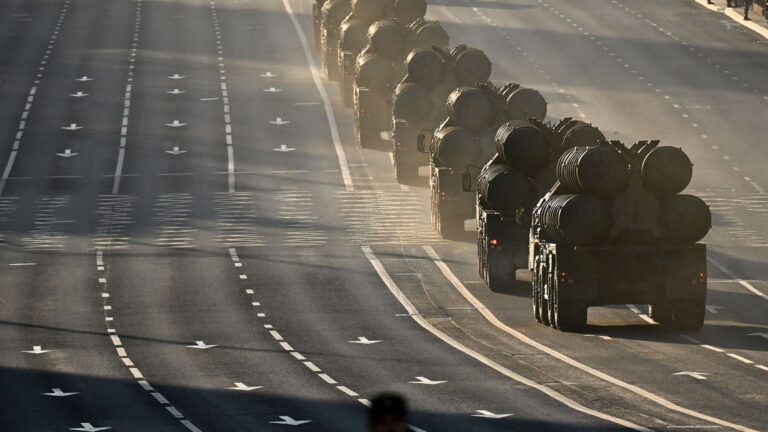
{"x": 736, "y": 16}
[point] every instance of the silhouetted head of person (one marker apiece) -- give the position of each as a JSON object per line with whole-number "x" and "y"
{"x": 388, "y": 413}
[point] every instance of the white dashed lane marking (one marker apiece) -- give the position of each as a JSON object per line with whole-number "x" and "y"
{"x": 250, "y": 293}
{"x": 31, "y": 97}
{"x": 122, "y": 353}
{"x": 228, "y": 136}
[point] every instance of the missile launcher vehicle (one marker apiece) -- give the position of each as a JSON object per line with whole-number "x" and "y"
{"x": 466, "y": 139}
{"x": 615, "y": 229}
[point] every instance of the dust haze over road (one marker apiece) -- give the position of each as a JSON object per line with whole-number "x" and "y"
{"x": 191, "y": 239}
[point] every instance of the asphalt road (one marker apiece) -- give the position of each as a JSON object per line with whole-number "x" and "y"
{"x": 191, "y": 240}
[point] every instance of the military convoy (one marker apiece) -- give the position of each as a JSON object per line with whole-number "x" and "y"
{"x": 585, "y": 220}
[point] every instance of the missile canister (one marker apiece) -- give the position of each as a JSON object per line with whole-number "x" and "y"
{"x": 413, "y": 103}
{"x": 577, "y": 133}
{"x": 353, "y": 35}
{"x": 471, "y": 65}
{"x": 408, "y": 11}
{"x": 506, "y": 190}
{"x": 373, "y": 72}
{"x": 471, "y": 108}
{"x": 425, "y": 67}
{"x": 455, "y": 148}
{"x": 387, "y": 39}
{"x": 427, "y": 33}
{"x": 524, "y": 103}
{"x": 580, "y": 220}
{"x": 371, "y": 10}
{"x": 522, "y": 146}
{"x": 598, "y": 170}
{"x": 666, "y": 170}
{"x": 684, "y": 219}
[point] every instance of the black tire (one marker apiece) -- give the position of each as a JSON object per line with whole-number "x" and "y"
{"x": 331, "y": 64}
{"x": 407, "y": 172}
{"x": 689, "y": 316}
{"x": 449, "y": 226}
{"x": 347, "y": 90}
{"x": 536, "y": 292}
{"x": 316, "y": 18}
{"x": 569, "y": 316}
{"x": 661, "y": 313}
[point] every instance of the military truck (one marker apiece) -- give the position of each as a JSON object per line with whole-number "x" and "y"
{"x": 508, "y": 186}
{"x": 355, "y": 36}
{"x": 380, "y": 66}
{"x": 332, "y": 13}
{"x": 419, "y": 100}
{"x": 615, "y": 229}
{"x": 466, "y": 138}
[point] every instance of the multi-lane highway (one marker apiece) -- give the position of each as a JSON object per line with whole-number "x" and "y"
{"x": 190, "y": 239}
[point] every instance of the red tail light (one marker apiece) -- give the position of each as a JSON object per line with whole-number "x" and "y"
{"x": 562, "y": 277}
{"x": 701, "y": 277}
{"x": 493, "y": 243}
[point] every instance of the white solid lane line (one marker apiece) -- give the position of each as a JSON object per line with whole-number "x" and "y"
{"x": 490, "y": 317}
{"x": 31, "y": 99}
{"x": 414, "y": 314}
{"x": 738, "y": 280}
{"x": 335, "y": 136}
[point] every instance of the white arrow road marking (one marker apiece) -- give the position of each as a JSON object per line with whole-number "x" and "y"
{"x": 279, "y": 121}
{"x": 84, "y": 78}
{"x": 72, "y": 127}
{"x": 175, "y": 151}
{"x": 697, "y": 375}
{"x": 727, "y": 24}
{"x": 284, "y": 148}
{"x": 269, "y": 75}
{"x": 176, "y": 77}
{"x": 426, "y": 381}
{"x": 273, "y": 90}
{"x": 285, "y": 420}
{"x": 87, "y": 427}
{"x": 488, "y": 414}
{"x": 67, "y": 153}
{"x": 176, "y": 124}
{"x": 201, "y": 345}
{"x": 79, "y": 94}
{"x": 176, "y": 91}
{"x": 364, "y": 341}
{"x": 712, "y": 308}
{"x": 763, "y": 335}
{"x": 56, "y": 392}
{"x": 37, "y": 349}
{"x": 242, "y": 387}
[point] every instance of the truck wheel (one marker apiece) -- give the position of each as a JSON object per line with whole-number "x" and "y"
{"x": 316, "y": 20}
{"x": 536, "y": 292}
{"x": 364, "y": 135}
{"x": 689, "y": 316}
{"x": 569, "y": 316}
{"x": 449, "y": 226}
{"x": 347, "y": 91}
{"x": 661, "y": 313}
{"x": 330, "y": 64}
{"x": 406, "y": 172}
